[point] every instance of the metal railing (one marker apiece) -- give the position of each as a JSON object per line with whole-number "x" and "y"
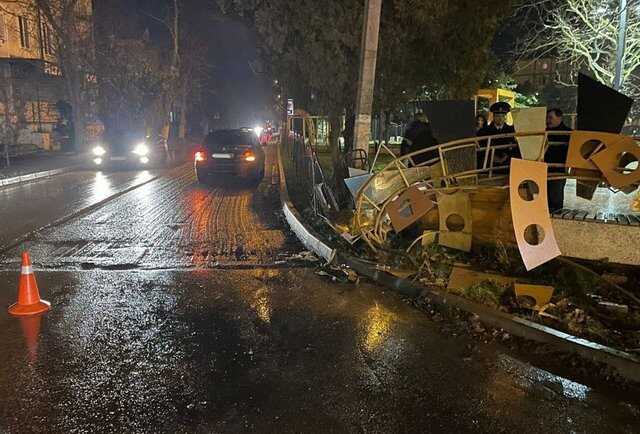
{"x": 442, "y": 174}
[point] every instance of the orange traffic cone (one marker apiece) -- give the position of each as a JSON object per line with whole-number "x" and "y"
{"x": 29, "y": 302}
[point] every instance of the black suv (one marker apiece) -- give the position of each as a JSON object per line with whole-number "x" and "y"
{"x": 229, "y": 154}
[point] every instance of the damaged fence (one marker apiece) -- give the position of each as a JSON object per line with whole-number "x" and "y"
{"x": 537, "y": 312}
{"x": 466, "y": 194}
{"x": 306, "y": 183}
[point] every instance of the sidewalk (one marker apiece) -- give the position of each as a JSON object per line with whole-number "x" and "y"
{"x": 604, "y": 200}
{"x": 40, "y": 162}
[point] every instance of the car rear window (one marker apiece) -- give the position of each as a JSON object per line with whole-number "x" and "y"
{"x": 227, "y": 139}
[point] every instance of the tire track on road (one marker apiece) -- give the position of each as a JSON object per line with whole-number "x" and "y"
{"x": 170, "y": 223}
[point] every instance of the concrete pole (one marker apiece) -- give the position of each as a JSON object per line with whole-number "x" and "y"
{"x": 368, "y": 57}
{"x": 622, "y": 42}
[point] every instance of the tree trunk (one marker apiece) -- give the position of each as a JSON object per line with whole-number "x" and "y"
{"x": 9, "y": 109}
{"x": 78, "y": 118}
{"x": 349, "y": 127}
{"x": 176, "y": 35}
{"x": 74, "y": 80}
{"x": 182, "y": 134}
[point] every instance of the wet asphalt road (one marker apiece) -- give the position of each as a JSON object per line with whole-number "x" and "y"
{"x": 30, "y": 206}
{"x": 172, "y": 312}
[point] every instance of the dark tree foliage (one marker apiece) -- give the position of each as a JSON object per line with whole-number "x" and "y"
{"x": 428, "y": 49}
{"x": 313, "y": 47}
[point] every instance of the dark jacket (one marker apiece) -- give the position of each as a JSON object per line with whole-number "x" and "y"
{"x": 558, "y": 147}
{"x": 491, "y": 130}
{"x": 419, "y": 136}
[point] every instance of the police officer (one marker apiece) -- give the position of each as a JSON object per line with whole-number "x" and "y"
{"x": 496, "y": 127}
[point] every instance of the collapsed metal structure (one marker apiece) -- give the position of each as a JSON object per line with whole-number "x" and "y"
{"x": 408, "y": 189}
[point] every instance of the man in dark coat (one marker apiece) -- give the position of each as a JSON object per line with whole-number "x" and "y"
{"x": 496, "y": 127}
{"x": 557, "y": 153}
{"x": 417, "y": 137}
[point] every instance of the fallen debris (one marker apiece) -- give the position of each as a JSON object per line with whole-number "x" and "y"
{"x": 341, "y": 274}
{"x": 350, "y": 238}
{"x": 615, "y": 308}
{"x": 615, "y": 278}
{"x": 463, "y": 278}
{"x": 306, "y": 256}
{"x": 456, "y": 224}
{"x": 610, "y": 283}
{"x": 436, "y": 282}
{"x": 398, "y": 272}
{"x": 539, "y": 293}
{"x": 408, "y": 208}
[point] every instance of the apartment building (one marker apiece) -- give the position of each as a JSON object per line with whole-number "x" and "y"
{"x": 32, "y": 89}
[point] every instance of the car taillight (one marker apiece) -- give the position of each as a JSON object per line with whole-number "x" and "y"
{"x": 200, "y": 156}
{"x": 249, "y": 156}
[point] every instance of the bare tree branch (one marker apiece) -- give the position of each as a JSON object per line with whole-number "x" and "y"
{"x": 583, "y": 35}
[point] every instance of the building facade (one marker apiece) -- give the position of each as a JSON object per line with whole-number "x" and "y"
{"x": 32, "y": 92}
{"x": 540, "y": 73}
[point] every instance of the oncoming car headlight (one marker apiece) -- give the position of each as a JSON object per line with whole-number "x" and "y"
{"x": 141, "y": 150}
{"x": 99, "y": 151}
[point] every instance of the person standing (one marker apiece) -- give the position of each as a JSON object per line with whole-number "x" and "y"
{"x": 481, "y": 122}
{"x": 417, "y": 137}
{"x": 556, "y": 153}
{"x": 410, "y": 135}
{"x": 497, "y": 127}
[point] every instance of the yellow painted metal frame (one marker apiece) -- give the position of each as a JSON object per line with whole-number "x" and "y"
{"x": 371, "y": 219}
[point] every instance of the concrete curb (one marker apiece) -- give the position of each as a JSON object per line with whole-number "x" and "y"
{"x": 627, "y": 365}
{"x": 35, "y": 176}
